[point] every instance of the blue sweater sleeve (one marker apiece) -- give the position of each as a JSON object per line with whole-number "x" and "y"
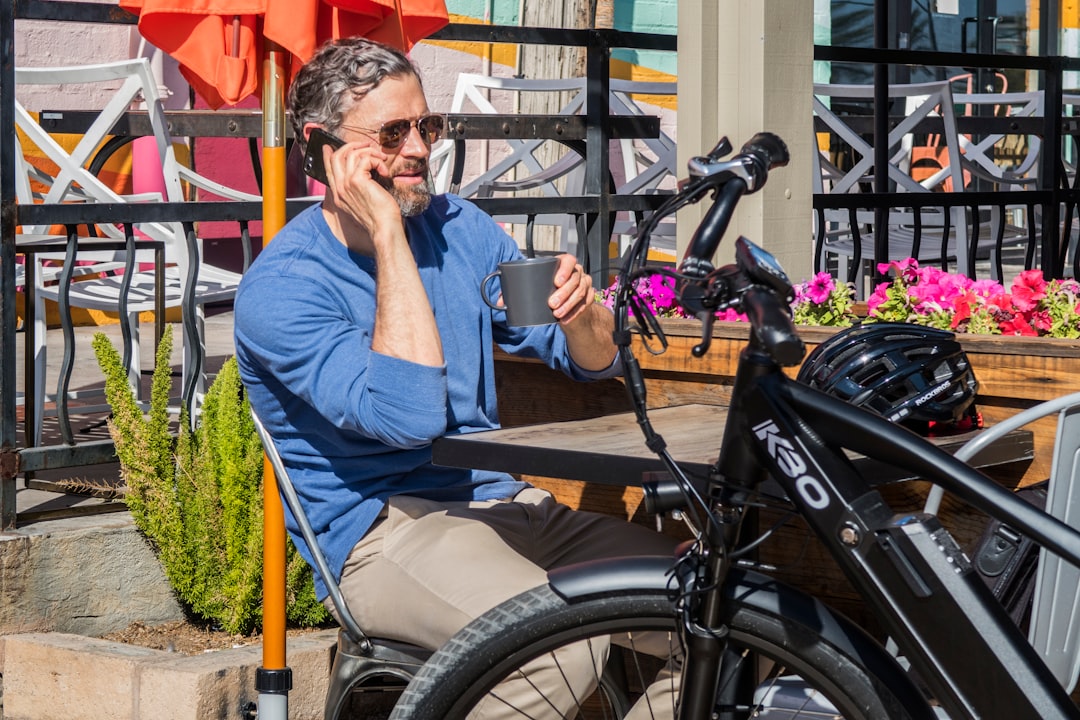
{"x": 333, "y": 369}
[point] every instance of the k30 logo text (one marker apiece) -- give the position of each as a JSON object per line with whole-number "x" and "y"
{"x": 792, "y": 464}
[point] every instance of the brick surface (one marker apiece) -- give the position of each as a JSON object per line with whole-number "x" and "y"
{"x": 222, "y": 684}
{"x": 54, "y": 675}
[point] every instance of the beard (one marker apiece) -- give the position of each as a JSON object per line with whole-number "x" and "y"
{"x": 412, "y": 199}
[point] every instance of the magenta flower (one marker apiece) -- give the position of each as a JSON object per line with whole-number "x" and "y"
{"x": 662, "y": 290}
{"x": 729, "y": 315}
{"x": 877, "y": 297}
{"x": 820, "y": 288}
{"x": 986, "y": 288}
{"x": 928, "y": 294}
{"x": 1042, "y": 321}
{"x": 900, "y": 268}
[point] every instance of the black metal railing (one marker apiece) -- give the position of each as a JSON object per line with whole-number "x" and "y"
{"x": 588, "y": 135}
{"x": 1054, "y": 200}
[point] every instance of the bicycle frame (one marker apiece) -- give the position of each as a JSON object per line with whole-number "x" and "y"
{"x": 907, "y": 567}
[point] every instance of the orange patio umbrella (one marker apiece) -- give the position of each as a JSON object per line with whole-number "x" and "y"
{"x": 220, "y": 44}
{"x": 228, "y": 50}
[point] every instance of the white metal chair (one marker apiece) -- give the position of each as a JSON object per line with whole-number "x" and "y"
{"x": 1054, "y": 629}
{"x": 492, "y": 95}
{"x": 640, "y": 166}
{"x": 126, "y": 83}
{"x": 361, "y": 662}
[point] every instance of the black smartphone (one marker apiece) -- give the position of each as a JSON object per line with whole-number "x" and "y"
{"x": 313, "y": 158}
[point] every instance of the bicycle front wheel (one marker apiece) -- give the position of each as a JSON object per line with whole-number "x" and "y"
{"x": 596, "y": 657}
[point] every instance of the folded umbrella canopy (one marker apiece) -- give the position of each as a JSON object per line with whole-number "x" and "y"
{"x": 220, "y": 44}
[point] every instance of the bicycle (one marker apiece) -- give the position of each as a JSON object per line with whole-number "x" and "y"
{"x": 748, "y": 645}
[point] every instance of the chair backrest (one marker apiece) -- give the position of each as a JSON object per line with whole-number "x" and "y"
{"x": 642, "y": 173}
{"x": 75, "y": 179}
{"x": 1054, "y": 629}
{"x": 1070, "y": 108}
{"x": 640, "y": 165}
{"x": 1055, "y": 632}
{"x": 288, "y": 492}
{"x": 980, "y": 151}
{"x": 835, "y": 104}
{"x": 358, "y": 658}
{"x": 474, "y": 91}
{"x": 126, "y": 83}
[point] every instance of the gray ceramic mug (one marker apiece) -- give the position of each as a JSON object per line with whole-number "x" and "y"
{"x": 526, "y": 286}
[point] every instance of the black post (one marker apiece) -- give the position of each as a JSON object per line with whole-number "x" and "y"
{"x": 881, "y": 138}
{"x": 1054, "y": 237}
{"x": 9, "y": 457}
{"x": 598, "y": 87}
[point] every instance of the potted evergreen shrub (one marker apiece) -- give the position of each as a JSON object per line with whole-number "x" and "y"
{"x": 197, "y": 494}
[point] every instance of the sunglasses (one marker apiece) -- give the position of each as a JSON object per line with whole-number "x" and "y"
{"x": 393, "y": 133}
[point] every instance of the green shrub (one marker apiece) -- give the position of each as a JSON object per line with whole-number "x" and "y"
{"x": 197, "y": 495}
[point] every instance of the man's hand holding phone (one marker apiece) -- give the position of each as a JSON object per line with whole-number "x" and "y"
{"x": 314, "y": 165}
{"x": 354, "y": 179}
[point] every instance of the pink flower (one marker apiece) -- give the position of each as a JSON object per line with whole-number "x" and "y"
{"x": 1042, "y": 320}
{"x": 878, "y": 296}
{"x": 927, "y": 294}
{"x": 954, "y": 284}
{"x": 730, "y": 315}
{"x": 820, "y": 288}
{"x": 901, "y": 268}
{"x": 662, "y": 291}
{"x": 986, "y": 288}
{"x": 928, "y": 275}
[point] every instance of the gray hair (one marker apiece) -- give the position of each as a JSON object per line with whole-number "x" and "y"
{"x": 339, "y": 74}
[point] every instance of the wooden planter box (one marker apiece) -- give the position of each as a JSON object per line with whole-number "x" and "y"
{"x": 1014, "y": 373}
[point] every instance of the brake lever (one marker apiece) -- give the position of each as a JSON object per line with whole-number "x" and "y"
{"x": 707, "y": 318}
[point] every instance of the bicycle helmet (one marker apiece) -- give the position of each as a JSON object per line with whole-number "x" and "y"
{"x": 910, "y": 374}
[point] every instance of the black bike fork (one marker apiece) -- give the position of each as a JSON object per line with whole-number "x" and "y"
{"x": 714, "y": 679}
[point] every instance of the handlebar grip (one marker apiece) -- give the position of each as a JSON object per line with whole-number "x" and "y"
{"x": 769, "y": 148}
{"x": 773, "y": 326}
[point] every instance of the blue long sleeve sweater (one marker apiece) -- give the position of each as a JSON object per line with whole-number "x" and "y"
{"x": 353, "y": 426}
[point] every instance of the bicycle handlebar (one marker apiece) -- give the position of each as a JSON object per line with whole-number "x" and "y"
{"x": 745, "y": 173}
{"x": 755, "y": 284}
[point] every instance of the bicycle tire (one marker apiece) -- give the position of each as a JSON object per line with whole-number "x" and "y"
{"x": 534, "y": 623}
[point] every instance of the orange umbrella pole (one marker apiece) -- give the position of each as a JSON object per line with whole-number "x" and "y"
{"x": 274, "y": 679}
{"x": 275, "y": 70}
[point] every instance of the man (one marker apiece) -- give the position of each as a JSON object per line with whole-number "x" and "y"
{"x": 362, "y": 336}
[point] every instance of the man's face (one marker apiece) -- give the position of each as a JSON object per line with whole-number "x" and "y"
{"x": 396, "y": 98}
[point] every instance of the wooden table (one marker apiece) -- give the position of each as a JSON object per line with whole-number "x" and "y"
{"x": 611, "y": 450}
{"x": 609, "y": 454}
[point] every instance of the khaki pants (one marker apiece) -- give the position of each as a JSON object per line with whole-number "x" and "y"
{"x": 427, "y": 568}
